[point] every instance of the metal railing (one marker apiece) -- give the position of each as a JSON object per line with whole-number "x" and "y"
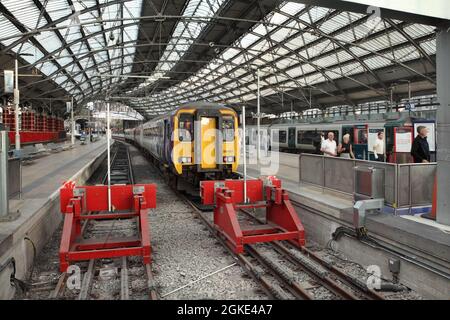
{"x": 406, "y": 185}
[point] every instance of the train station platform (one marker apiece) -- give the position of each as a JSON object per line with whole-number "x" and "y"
{"x": 39, "y": 213}
{"x": 422, "y": 246}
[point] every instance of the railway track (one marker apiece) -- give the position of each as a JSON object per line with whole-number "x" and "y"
{"x": 111, "y": 278}
{"x": 300, "y": 275}
{"x": 277, "y": 281}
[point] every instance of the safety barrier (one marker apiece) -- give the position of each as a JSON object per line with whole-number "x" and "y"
{"x": 406, "y": 185}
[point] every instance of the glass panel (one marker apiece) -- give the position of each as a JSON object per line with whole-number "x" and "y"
{"x": 228, "y": 129}
{"x": 186, "y": 127}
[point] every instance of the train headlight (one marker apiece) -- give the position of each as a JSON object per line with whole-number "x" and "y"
{"x": 185, "y": 160}
{"x": 228, "y": 159}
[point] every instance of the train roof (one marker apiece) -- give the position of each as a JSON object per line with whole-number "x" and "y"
{"x": 195, "y": 105}
{"x": 203, "y": 105}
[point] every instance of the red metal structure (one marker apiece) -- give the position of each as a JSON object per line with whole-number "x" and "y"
{"x": 282, "y": 222}
{"x": 78, "y": 202}
{"x": 36, "y": 128}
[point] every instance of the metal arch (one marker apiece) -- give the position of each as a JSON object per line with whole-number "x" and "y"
{"x": 400, "y": 29}
{"x": 354, "y": 56}
{"x": 213, "y": 73}
{"x": 22, "y": 28}
{"x": 104, "y": 62}
{"x": 403, "y": 44}
{"x": 27, "y": 35}
{"x": 268, "y": 37}
{"x": 243, "y": 85}
{"x": 351, "y": 61}
{"x": 201, "y": 19}
{"x": 44, "y": 12}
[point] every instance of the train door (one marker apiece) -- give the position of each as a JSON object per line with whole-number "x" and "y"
{"x": 291, "y": 138}
{"x": 167, "y": 138}
{"x": 209, "y": 136}
{"x": 360, "y": 146}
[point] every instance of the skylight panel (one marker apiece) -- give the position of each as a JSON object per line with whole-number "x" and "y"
{"x": 58, "y": 9}
{"x": 26, "y": 12}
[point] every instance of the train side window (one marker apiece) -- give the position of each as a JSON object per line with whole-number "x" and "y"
{"x": 186, "y": 127}
{"x": 228, "y": 129}
{"x": 306, "y": 137}
{"x": 282, "y": 136}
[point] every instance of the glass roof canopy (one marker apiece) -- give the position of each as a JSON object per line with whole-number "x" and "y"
{"x": 300, "y": 46}
{"x": 59, "y": 35}
{"x": 295, "y": 46}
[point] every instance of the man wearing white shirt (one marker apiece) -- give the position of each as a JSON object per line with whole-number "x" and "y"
{"x": 378, "y": 147}
{"x": 329, "y": 146}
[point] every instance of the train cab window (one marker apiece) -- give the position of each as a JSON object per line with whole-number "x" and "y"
{"x": 282, "y": 136}
{"x": 186, "y": 127}
{"x": 228, "y": 129}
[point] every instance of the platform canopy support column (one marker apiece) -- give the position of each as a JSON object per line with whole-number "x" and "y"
{"x": 4, "y": 194}
{"x": 443, "y": 123}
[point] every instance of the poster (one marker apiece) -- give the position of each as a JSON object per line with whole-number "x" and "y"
{"x": 403, "y": 140}
{"x": 373, "y": 136}
{"x": 431, "y": 133}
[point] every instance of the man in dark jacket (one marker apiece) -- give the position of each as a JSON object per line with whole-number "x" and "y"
{"x": 420, "y": 149}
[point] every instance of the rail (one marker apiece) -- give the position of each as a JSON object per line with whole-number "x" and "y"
{"x": 406, "y": 185}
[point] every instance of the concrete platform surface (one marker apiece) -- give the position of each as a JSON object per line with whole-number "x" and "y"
{"x": 45, "y": 175}
{"x": 322, "y": 211}
{"x": 23, "y": 238}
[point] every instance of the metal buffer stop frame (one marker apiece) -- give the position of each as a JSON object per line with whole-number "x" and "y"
{"x": 282, "y": 222}
{"x": 83, "y": 203}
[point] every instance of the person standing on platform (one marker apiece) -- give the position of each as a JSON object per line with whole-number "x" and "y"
{"x": 345, "y": 149}
{"x": 329, "y": 147}
{"x": 378, "y": 147}
{"x": 420, "y": 149}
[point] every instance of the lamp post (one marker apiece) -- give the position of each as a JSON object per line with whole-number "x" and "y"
{"x": 17, "y": 96}
{"x": 72, "y": 138}
{"x": 258, "y": 76}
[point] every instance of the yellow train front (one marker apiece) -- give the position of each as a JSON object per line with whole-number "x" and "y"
{"x": 198, "y": 141}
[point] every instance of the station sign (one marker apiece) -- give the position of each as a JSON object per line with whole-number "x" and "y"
{"x": 410, "y": 107}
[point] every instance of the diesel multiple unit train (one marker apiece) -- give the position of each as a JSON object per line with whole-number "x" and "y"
{"x": 198, "y": 141}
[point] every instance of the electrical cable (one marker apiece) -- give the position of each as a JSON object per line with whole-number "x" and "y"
{"x": 369, "y": 240}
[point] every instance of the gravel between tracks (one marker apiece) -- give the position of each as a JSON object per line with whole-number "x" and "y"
{"x": 184, "y": 250}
